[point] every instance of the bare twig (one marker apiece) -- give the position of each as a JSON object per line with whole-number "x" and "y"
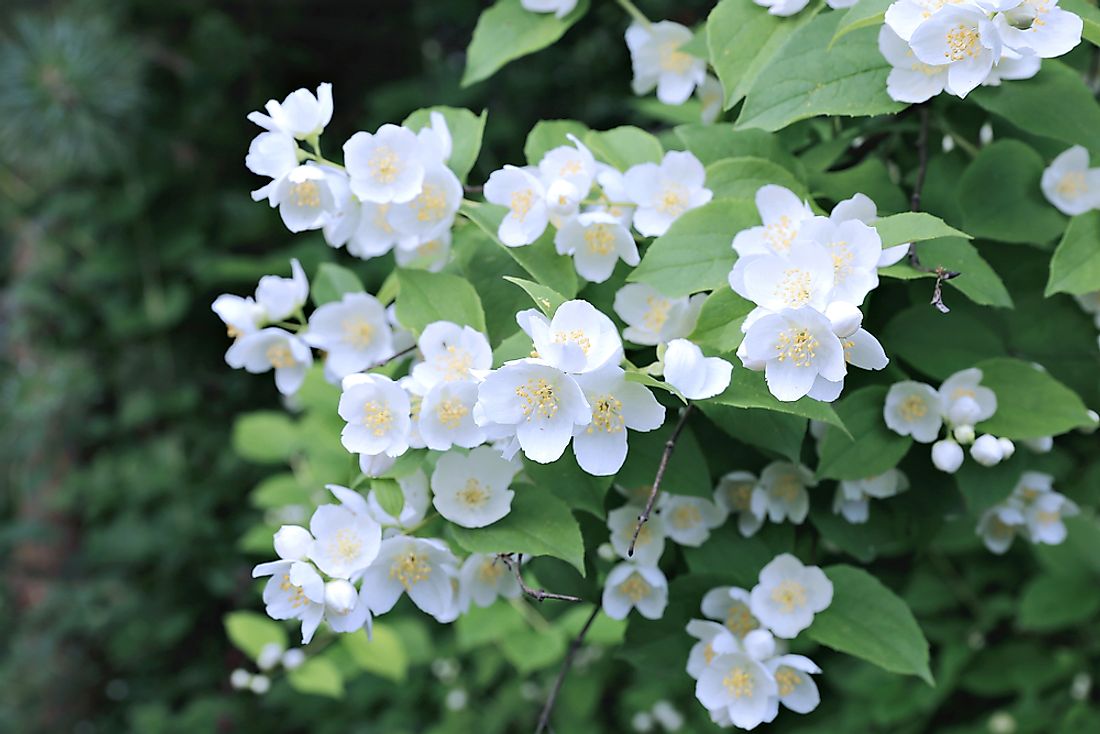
{"x": 393, "y": 357}
{"x": 467, "y": 188}
{"x": 574, "y": 646}
{"x": 670, "y": 444}
{"x": 940, "y": 272}
{"x": 536, "y": 594}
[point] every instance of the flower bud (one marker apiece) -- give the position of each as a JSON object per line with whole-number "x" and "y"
{"x": 947, "y": 456}
{"x": 562, "y": 198}
{"x": 985, "y": 134}
{"x": 964, "y": 434}
{"x": 293, "y": 542}
{"x": 844, "y": 318}
{"x": 1040, "y": 445}
{"x": 240, "y": 679}
{"x": 1091, "y": 428}
{"x": 964, "y": 411}
{"x": 375, "y": 465}
{"x": 987, "y": 450}
{"x": 269, "y": 656}
{"x": 340, "y": 596}
{"x": 1007, "y": 448}
{"x": 260, "y": 685}
{"x": 293, "y": 658}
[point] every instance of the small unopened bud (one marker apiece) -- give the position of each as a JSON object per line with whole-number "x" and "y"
{"x": 606, "y": 552}
{"x": 642, "y": 722}
{"x": 1040, "y": 445}
{"x": 844, "y": 318}
{"x": 261, "y": 684}
{"x": 1080, "y": 687}
{"x": 340, "y": 596}
{"x": 293, "y": 542}
{"x": 293, "y": 658}
{"x": 985, "y": 134}
{"x": 964, "y": 434}
{"x": 948, "y": 143}
{"x": 987, "y": 450}
{"x": 1007, "y": 448}
{"x": 1094, "y": 417}
{"x": 456, "y": 699}
{"x": 947, "y": 456}
{"x": 562, "y": 197}
{"x": 240, "y": 679}
{"x": 964, "y": 411}
{"x": 269, "y": 656}
{"x": 1002, "y": 722}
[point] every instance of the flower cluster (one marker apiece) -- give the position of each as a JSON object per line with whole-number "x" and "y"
{"x": 937, "y": 46}
{"x": 270, "y": 656}
{"x": 1033, "y": 510}
{"x": 784, "y": 8}
{"x": 1069, "y": 184}
{"x": 779, "y": 493}
{"x": 808, "y": 275}
{"x": 742, "y": 671}
{"x": 660, "y": 62}
{"x": 853, "y": 496}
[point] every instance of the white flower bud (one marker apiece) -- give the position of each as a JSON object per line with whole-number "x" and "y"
{"x": 456, "y": 699}
{"x": 340, "y": 596}
{"x": 985, "y": 134}
{"x": 964, "y": 434}
{"x": 1040, "y": 445}
{"x": 269, "y": 656}
{"x": 1002, "y": 722}
{"x": 293, "y": 658}
{"x": 606, "y": 552}
{"x": 948, "y": 143}
{"x": 1095, "y": 418}
{"x": 240, "y": 679}
{"x": 562, "y": 198}
{"x": 260, "y": 685}
{"x": 1007, "y": 448}
{"x": 947, "y": 456}
{"x": 844, "y": 318}
{"x": 293, "y": 542}
{"x": 987, "y": 450}
{"x": 964, "y": 411}
{"x": 642, "y": 721}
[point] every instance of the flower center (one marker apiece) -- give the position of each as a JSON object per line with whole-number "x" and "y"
{"x": 540, "y": 397}
{"x": 490, "y": 571}
{"x": 789, "y": 595}
{"x": 686, "y": 516}
{"x": 1072, "y": 185}
{"x": 599, "y": 239}
{"x": 346, "y": 545}
{"x": 576, "y": 337}
{"x": 657, "y": 313}
{"x": 473, "y": 494}
{"x": 635, "y": 588}
{"x": 787, "y": 488}
{"x": 450, "y": 412}
{"x": 358, "y": 333}
{"x": 781, "y": 233}
{"x": 431, "y": 205}
{"x": 673, "y": 201}
{"x": 280, "y": 356}
{"x": 739, "y": 619}
{"x": 788, "y": 680}
{"x": 298, "y": 598}
{"x": 739, "y": 683}
{"x": 794, "y": 289}
{"x": 1046, "y": 517}
{"x": 521, "y": 203}
{"x": 962, "y": 43}
{"x": 913, "y": 407}
{"x": 606, "y": 415}
{"x": 377, "y": 417}
{"x": 306, "y": 194}
{"x": 672, "y": 59}
{"x": 842, "y": 259}
{"x": 384, "y": 165}
{"x": 797, "y": 345}
{"x": 410, "y": 569}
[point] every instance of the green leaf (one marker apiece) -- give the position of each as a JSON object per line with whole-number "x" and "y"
{"x": 317, "y": 676}
{"x": 540, "y": 259}
{"x": 529, "y": 649}
{"x": 547, "y": 299}
{"x": 976, "y": 280}
{"x": 806, "y": 78}
{"x": 1030, "y": 403}
{"x": 871, "y": 622}
{"x": 265, "y": 437}
{"x": 539, "y": 524}
{"x": 739, "y": 178}
{"x": 1075, "y": 267}
{"x": 389, "y": 495}
{"x": 940, "y": 344}
{"x": 985, "y": 486}
{"x": 331, "y": 283}
{"x": 712, "y": 143}
{"x": 767, "y": 429}
{"x": 1058, "y": 601}
{"x": 863, "y": 14}
{"x": 426, "y": 297}
{"x": 623, "y": 147}
{"x": 575, "y": 487}
{"x": 278, "y": 490}
{"x": 696, "y": 254}
{"x": 1088, "y": 13}
{"x": 719, "y": 324}
{"x": 870, "y": 174}
{"x": 897, "y": 229}
{"x": 744, "y": 38}
{"x": 871, "y": 449}
{"x": 382, "y": 653}
{"x": 1055, "y": 103}
{"x": 549, "y": 134}
{"x": 251, "y": 632}
{"x": 466, "y": 132}
{"x": 687, "y": 471}
{"x": 507, "y": 31}
{"x": 1013, "y": 210}
{"x": 748, "y": 390}
{"x": 516, "y": 346}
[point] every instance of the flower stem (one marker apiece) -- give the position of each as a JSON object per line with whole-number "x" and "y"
{"x": 632, "y": 10}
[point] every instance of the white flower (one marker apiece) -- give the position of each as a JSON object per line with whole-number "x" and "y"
{"x": 789, "y": 594}
{"x": 855, "y": 249}
{"x": 573, "y": 164}
{"x": 417, "y": 499}
{"x": 795, "y": 346}
{"x": 630, "y": 585}
{"x": 525, "y": 197}
{"x": 963, "y": 37}
{"x": 276, "y": 349}
{"x": 998, "y": 527}
{"x": 781, "y": 492}
{"x": 1007, "y": 447}
{"x": 431, "y": 255}
{"x": 345, "y": 542}
{"x": 903, "y": 16}
{"x": 543, "y": 403}
{"x": 293, "y": 542}
{"x": 294, "y": 591}
{"x": 658, "y": 61}
{"x": 596, "y": 241}
{"x": 423, "y": 568}
{"x": 375, "y": 465}
{"x": 853, "y": 495}
{"x": 446, "y": 416}
{"x": 1039, "y": 28}
{"x": 1041, "y": 445}
{"x": 702, "y": 652}
{"x": 860, "y": 350}
{"x": 353, "y": 332}
{"x": 653, "y": 318}
{"x": 612, "y": 194}
{"x": 485, "y": 578}
{"x": 797, "y": 690}
{"x": 651, "y": 538}
{"x": 861, "y": 207}
{"x": 737, "y": 688}
{"x": 695, "y": 376}
{"x": 432, "y": 211}
{"x": 280, "y": 297}
{"x": 560, "y": 8}
{"x": 304, "y": 196}
{"x": 1044, "y": 518}
{"x": 385, "y": 167}
{"x": 666, "y": 190}
{"x": 689, "y": 520}
{"x": 782, "y": 8}
{"x": 730, "y": 605}
{"x": 1069, "y": 184}
{"x": 450, "y": 353}
{"x": 782, "y": 214}
{"x": 293, "y": 658}
{"x": 839, "y": 4}
{"x": 947, "y": 456}
{"x": 734, "y": 495}
{"x": 801, "y": 276}
{"x": 964, "y": 400}
{"x": 241, "y": 316}
{"x": 987, "y": 450}
{"x": 472, "y": 491}
{"x": 435, "y": 137}
{"x": 911, "y": 80}
{"x": 274, "y": 155}
{"x": 617, "y": 404}
{"x": 577, "y": 339}
{"x": 1012, "y": 65}
{"x": 346, "y": 609}
{"x": 301, "y": 114}
{"x": 711, "y": 97}
{"x": 377, "y": 412}
{"x": 914, "y": 409}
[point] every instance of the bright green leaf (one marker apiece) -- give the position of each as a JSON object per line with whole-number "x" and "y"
{"x": 976, "y": 280}
{"x": 719, "y": 326}
{"x": 265, "y": 436}
{"x": 624, "y": 147}
{"x": 251, "y": 632}
{"x": 547, "y": 299}
{"x": 466, "y": 130}
{"x": 863, "y": 14}
{"x": 331, "y": 283}
{"x": 507, "y": 31}
{"x": 317, "y": 676}
{"x": 739, "y": 178}
{"x": 426, "y": 297}
{"x": 748, "y": 390}
{"x": 898, "y": 229}
{"x": 389, "y": 496}
{"x": 382, "y": 653}
{"x": 1075, "y": 267}
{"x": 1030, "y": 403}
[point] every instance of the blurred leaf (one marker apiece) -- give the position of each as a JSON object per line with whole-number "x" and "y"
{"x": 1057, "y": 601}
{"x": 870, "y": 448}
{"x": 250, "y": 632}
{"x": 466, "y": 130}
{"x": 382, "y": 653}
{"x": 317, "y": 676}
{"x": 266, "y": 437}
{"x": 425, "y": 297}
{"x": 1075, "y": 267}
{"x": 331, "y": 283}
{"x": 507, "y": 31}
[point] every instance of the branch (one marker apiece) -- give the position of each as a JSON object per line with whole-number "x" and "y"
{"x": 574, "y": 646}
{"x": 467, "y": 188}
{"x": 392, "y": 357}
{"x": 539, "y": 595}
{"x": 940, "y": 272}
{"x": 670, "y": 444}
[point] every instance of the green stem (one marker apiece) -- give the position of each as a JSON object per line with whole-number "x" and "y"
{"x": 632, "y": 10}
{"x": 317, "y": 158}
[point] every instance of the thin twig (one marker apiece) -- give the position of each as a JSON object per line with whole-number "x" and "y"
{"x": 670, "y": 444}
{"x": 391, "y": 358}
{"x": 574, "y": 646}
{"x": 536, "y": 594}
{"x": 467, "y": 188}
{"x": 940, "y": 272}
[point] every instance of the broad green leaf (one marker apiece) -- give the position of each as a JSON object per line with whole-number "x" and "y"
{"x": 939, "y": 344}
{"x": 278, "y": 490}
{"x": 871, "y": 449}
{"x": 604, "y": 631}
{"x": 575, "y": 487}
{"x": 317, "y": 676}
{"x": 1030, "y": 403}
{"x": 331, "y": 283}
{"x": 547, "y": 299}
{"x": 719, "y": 324}
{"x": 466, "y": 130}
{"x": 869, "y": 621}
{"x": 517, "y": 346}
{"x": 1089, "y": 13}
{"x": 743, "y": 38}
{"x": 861, "y": 15}
{"x": 483, "y": 262}
{"x": 1058, "y": 601}
{"x": 766, "y": 429}
{"x": 549, "y": 134}
{"x": 250, "y": 632}
{"x": 265, "y": 436}
{"x": 529, "y": 649}
{"x": 687, "y": 468}
{"x": 748, "y": 390}
{"x": 870, "y": 174}
{"x": 426, "y": 297}
{"x": 382, "y": 653}
{"x": 806, "y": 78}
{"x": 976, "y": 280}
{"x": 623, "y": 147}
{"x": 712, "y": 143}
{"x": 740, "y": 178}
{"x": 539, "y": 258}
{"x": 696, "y": 252}
{"x": 1075, "y": 267}
{"x": 1055, "y": 103}
{"x": 507, "y": 31}
{"x": 898, "y": 229}
{"x": 985, "y": 486}
{"x": 486, "y": 625}
{"x": 539, "y": 524}
{"x": 1014, "y": 209}
{"x": 389, "y": 495}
